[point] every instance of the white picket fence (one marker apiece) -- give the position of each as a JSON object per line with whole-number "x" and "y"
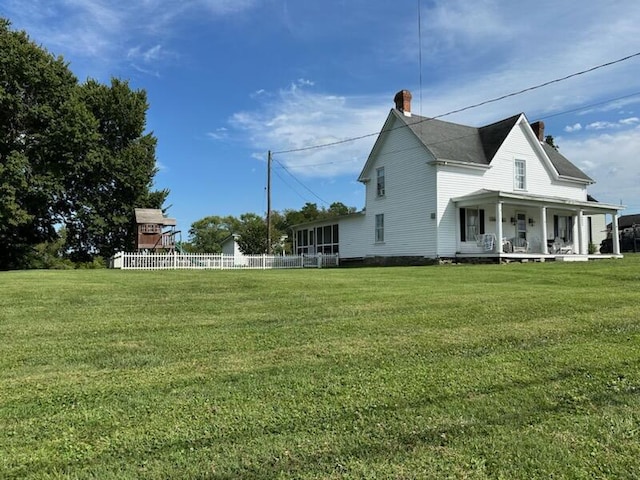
{"x": 217, "y": 261}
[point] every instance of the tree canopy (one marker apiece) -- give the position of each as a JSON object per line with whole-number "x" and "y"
{"x": 207, "y": 234}
{"x": 73, "y": 155}
{"x": 549, "y": 140}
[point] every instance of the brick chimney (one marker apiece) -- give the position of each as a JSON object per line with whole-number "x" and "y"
{"x": 538, "y": 129}
{"x": 403, "y": 102}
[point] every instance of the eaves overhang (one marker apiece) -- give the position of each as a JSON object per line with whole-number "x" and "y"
{"x": 525, "y": 199}
{"x": 458, "y": 163}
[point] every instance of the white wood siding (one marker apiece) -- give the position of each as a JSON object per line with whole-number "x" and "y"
{"x": 409, "y": 200}
{"x": 352, "y": 236}
{"x": 456, "y": 181}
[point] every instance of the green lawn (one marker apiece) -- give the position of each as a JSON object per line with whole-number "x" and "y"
{"x": 487, "y": 371}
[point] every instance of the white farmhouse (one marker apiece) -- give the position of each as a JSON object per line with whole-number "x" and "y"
{"x": 436, "y": 190}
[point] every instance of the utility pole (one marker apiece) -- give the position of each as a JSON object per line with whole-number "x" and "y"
{"x": 269, "y": 203}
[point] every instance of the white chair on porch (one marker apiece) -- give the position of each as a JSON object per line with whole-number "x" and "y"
{"x": 520, "y": 245}
{"x": 560, "y": 247}
{"x": 486, "y": 241}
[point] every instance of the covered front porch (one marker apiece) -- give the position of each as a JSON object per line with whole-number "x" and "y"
{"x": 521, "y": 226}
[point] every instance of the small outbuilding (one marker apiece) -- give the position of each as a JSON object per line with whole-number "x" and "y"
{"x": 154, "y": 231}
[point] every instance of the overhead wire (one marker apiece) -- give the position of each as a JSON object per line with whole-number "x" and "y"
{"x": 469, "y": 107}
{"x": 590, "y": 106}
{"x": 502, "y": 97}
{"x": 306, "y": 199}
{"x": 460, "y": 137}
{"x": 402, "y": 150}
{"x": 303, "y": 185}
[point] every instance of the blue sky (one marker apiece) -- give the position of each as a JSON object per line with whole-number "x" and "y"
{"x": 228, "y": 80}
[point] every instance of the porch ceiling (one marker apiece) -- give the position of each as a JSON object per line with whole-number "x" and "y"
{"x": 495, "y": 196}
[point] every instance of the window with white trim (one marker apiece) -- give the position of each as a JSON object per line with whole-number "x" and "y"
{"x": 520, "y": 175}
{"x": 380, "y": 227}
{"x": 471, "y": 223}
{"x": 380, "y": 182}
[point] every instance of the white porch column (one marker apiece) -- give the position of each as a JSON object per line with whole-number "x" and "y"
{"x": 614, "y": 234}
{"x": 580, "y": 249}
{"x": 499, "y": 227}
{"x": 543, "y": 219}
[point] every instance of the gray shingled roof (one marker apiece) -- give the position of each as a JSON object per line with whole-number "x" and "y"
{"x": 452, "y": 141}
{"x": 446, "y": 140}
{"x": 563, "y": 165}
{"x": 492, "y": 136}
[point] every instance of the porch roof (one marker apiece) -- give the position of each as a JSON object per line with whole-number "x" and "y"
{"x": 526, "y": 199}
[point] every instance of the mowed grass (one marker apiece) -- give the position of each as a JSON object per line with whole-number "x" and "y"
{"x": 485, "y": 371}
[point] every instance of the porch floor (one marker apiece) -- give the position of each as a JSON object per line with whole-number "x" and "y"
{"x": 538, "y": 257}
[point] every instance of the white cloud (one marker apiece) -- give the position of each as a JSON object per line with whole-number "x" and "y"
{"x": 149, "y": 55}
{"x": 600, "y": 125}
{"x": 221, "y": 133}
{"x": 573, "y": 128}
{"x": 611, "y": 160}
{"x": 258, "y": 93}
{"x": 449, "y": 24}
{"x": 630, "y": 121}
{"x": 607, "y": 125}
{"x": 618, "y": 104}
{"x": 296, "y": 118}
{"x": 101, "y": 32}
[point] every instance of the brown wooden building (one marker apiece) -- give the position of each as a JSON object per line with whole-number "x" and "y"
{"x": 154, "y": 231}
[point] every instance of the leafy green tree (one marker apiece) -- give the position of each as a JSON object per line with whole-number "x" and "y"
{"x": 35, "y": 90}
{"x": 279, "y": 237}
{"x": 549, "y": 140}
{"x": 70, "y": 154}
{"x": 115, "y": 176}
{"x": 339, "y": 208}
{"x": 310, "y": 212}
{"x": 51, "y": 255}
{"x": 253, "y": 234}
{"x": 206, "y": 235}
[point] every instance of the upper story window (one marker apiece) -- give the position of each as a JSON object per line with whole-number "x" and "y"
{"x": 380, "y": 182}
{"x": 520, "y": 175}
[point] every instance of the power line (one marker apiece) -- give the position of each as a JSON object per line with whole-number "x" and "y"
{"x": 324, "y": 163}
{"x": 590, "y": 106}
{"x": 469, "y": 107}
{"x": 460, "y": 137}
{"x": 450, "y": 139}
{"x": 296, "y": 179}
{"x": 528, "y": 89}
{"x": 420, "y": 49}
{"x": 306, "y": 199}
